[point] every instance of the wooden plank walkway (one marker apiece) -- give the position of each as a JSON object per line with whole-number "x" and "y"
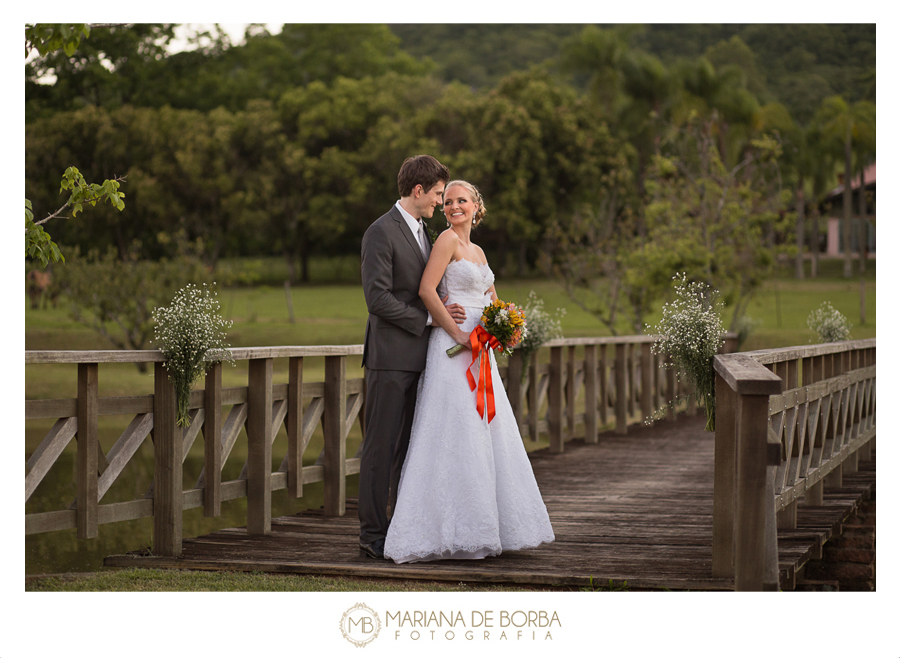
{"x": 633, "y": 510}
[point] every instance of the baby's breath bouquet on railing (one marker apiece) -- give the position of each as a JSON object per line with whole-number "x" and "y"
{"x": 689, "y": 335}
{"x": 191, "y": 335}
{"x": 541, "y": 327}
{"x": 829, "y": 324}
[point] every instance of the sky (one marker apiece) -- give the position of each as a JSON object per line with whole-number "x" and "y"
{"x": 234, "y": 30}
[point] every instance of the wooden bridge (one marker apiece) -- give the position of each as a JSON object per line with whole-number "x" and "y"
{"x": 657, "y": 506}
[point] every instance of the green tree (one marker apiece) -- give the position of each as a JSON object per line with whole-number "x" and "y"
{"x": 595, "y": 55}
{"x": 721, "y": 94}
{"x": 843, "y": 125}
{"x": 48, "y": 39}
{"x": 111, "y": 67}
{"x": 330, "y": 179}
{"x": 537, "y": 154}
{"x": 115, "y": 297}
{"x": 701, "y": 217}
{"x": 734, "y": 52}
{"x": 796, "y": 165}
{"x": 714, "y": 222}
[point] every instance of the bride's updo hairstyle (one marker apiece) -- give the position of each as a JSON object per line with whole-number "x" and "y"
{"x": 476, "y": 197}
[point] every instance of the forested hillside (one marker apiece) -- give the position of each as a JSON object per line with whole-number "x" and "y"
{"x": 796, "y": 65}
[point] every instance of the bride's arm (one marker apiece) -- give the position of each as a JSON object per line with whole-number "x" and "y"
{"x": 441, "y": 253}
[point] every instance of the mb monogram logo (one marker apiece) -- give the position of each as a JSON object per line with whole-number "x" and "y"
{"x": 360, "y": 625}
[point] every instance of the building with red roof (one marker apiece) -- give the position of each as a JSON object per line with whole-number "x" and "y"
{"x": 834, "y": 205}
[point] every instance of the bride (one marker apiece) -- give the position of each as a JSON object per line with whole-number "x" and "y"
{"x": 467, "y": 489}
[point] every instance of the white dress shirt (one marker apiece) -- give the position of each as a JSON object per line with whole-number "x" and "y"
{"x": 414, "y": 224}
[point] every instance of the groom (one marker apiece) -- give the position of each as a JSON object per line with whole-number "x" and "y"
{"x": 395, "y": 249}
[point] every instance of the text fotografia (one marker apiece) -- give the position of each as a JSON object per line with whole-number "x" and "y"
{"x": 478, "y": 625}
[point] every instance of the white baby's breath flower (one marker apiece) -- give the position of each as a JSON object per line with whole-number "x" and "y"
{"x": 191, "y": 334}
{"x": 541, "y": 326}
{"x": 690, "y": 333}
{"x": 830, "y": 325}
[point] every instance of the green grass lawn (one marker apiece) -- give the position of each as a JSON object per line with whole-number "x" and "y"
{"x": 175, "y": 580}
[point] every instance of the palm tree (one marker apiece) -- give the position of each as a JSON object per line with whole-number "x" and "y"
{"x": 774, "y": 118}
{"x": 819, "y": 162}
{"x": 721, "y": 93}
{"x": 864, "y": 149}
{"x": 842, "y": 124}
{"x": 595, "y": 54}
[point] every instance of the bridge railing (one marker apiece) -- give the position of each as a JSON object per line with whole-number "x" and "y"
{"x": 788, "y": 422}
{"x": 261, "y": 406}
{"x": 587, "y": 383}
{"x": 620, "y": 374}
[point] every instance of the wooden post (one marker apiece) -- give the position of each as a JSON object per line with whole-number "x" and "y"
{"x": 781, "y": 369}
{"x": 806, "y": 373}
{"x": 555, "y": 399}
{"x": 793, "y": 376}
{"x": 259, "y": 448}
{"x": 851, "y": 464}
{"x": 814, "y": 495}
{"x": 862, "y": 297}
{"x": 771, "y": 576}
{"x": 87, "y": 480}
{"x": 672, "y": 392}
{"x": 724, "y": 481}
{"x": 787, "y": 518}
{"x": 731, "y": 344}
{"x": 290, "y": 302}
{"x": 295, "y": 425}
{"x": 335, "y": 462}
{"x": 590, "y": 394}
{"x": 534, "y": 390}
{"x": 571, "y": 394}
{"x": 621, "y": 393}
{"x": 514, "y": 385}
{"x": 212, "y": 441}
{"x": 864, "y": 452}
{"x": 168, "y": 499}
{"x": 750, "y": 498}
{"x": 631, "y": 369}
{"x": 835, "y": 479}
{"x": 646, "y": 384}
{"x": 658, "y": 379}
{"x": 604, "y": 385}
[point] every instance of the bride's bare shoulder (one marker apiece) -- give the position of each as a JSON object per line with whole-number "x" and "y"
{"x": 448, "y": 236}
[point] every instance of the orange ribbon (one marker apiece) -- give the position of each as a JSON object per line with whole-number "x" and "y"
{"x": 481, "y": 340}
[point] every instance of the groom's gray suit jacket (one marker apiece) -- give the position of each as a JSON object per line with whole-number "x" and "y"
{"x": 392, "y": 267}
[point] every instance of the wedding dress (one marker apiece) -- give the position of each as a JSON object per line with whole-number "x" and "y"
{"x": 466, "y": 489}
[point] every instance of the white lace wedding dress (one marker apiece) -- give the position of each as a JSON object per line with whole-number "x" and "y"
{"x": 467, "y": 489}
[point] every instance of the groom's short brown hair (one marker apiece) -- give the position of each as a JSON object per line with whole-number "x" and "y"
{"x": 421, "y": 170}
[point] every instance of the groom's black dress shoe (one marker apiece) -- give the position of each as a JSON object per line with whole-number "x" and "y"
{"x": 375, "y": 550}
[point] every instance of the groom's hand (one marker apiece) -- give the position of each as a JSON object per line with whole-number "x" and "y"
{"x": 457, "y": 312}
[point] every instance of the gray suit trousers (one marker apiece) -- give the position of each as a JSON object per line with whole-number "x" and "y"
{"x": 390, "y": 405}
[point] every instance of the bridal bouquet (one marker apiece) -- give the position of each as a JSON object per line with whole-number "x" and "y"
{"x": 504, "y": 328}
